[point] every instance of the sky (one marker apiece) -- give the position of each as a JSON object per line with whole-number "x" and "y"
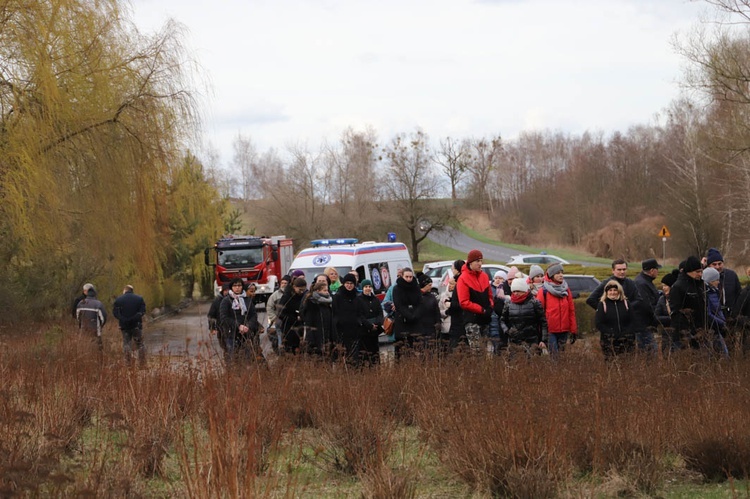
{"x": 294, "y": 72}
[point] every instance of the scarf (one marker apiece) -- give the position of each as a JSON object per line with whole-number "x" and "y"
{"x": 519, "y": 298}
{"x": 558, "y": 290}
{"x": 238, "y": 302}
{"x": 321, "y": 299}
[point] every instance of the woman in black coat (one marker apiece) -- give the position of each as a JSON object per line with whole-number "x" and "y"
{"x": 406, "y": 299}
{"x": 347, "y": 319}
{"x": 372, "y": 323}
{"x": 613, "y": 321}
{"x": 238, "y": 322}
{"x": 289, "y": 306}
{"x": 428, "y": 315}
{"x": 318, "y": 318}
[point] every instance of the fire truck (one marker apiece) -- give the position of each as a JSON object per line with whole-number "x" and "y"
{"x": 258, "y": 259}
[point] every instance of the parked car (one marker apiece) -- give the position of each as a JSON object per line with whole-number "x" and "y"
{"x": 539, "y": 259}
{"x": 436, "y": 271}
{"x": 580, "y": 283}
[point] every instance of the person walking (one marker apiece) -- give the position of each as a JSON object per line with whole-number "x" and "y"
{"x": 129, "y": 309}
{"x": 557, "y": 301}
{"x": 91, "y": 317}
{"x": 613, "y": 320}
{"x": 475, "y": 298}
{"x": 80, "y": 297}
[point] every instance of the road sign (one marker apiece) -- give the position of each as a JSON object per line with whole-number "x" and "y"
{"x": 664, "y": 232}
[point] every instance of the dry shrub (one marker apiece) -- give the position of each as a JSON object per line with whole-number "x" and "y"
{"x": 353, "y": 434}
{"x": 384, "y": 482}
{"x": 230, "y": 441}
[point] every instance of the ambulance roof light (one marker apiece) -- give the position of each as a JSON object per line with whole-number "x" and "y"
{"x": 334, "y": 242}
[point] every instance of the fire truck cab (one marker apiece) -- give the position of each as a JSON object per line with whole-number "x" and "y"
{"x": 260, "y": 260}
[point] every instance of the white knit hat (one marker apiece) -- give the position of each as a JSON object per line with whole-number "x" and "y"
{"x": 519, "y": 285}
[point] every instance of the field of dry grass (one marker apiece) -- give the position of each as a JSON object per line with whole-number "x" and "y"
{"x": 73, "y": 423}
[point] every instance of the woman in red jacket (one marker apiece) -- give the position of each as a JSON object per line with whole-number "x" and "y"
{"x": 559, "y": 308}
{"x": 475, "y": 297}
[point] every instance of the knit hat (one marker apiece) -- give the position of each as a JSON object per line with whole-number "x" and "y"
{"x": 91, "y": 292}
{"x": 501, "y": 273}
{"x": 512, "y": 272}
{"x": 650, "y": 264}
{"x": 691, "y": 264}
{"x": 423, "y": 280}
{"x": 87, "y": 286}
{"x": 710, "y": 274}
{"x": 298, "y": 273}
{"x": 713, "y": 255}
{"x": 535, "y": 270}
{"x": 366, "y": 282}
{"x": 349, "y": 278}
{"x": 670, "y": 278}
{"x": 519, "y": 285}
{"x": 473, "y": 256}
{"x": 553, "y": 269}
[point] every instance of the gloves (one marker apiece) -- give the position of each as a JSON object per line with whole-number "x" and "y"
{"x": 487, "y": 313}
{"x": 573, "y": 338}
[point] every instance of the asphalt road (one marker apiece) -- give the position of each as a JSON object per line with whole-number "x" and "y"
{"x": 461, "y": 242}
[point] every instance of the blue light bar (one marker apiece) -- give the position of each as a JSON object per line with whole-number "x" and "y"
{"x": 333, "y": 242}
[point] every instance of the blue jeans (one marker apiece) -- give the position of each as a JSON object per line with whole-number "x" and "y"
{"x": 556, "y": 342}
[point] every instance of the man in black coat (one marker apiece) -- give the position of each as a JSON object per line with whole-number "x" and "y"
{"x": 729, "y": 283}
{"x": 129, "y": 309}
{"x": 687, "y": 300}
{"x": 644, "y": 314}
{"x": 619, "y": 271}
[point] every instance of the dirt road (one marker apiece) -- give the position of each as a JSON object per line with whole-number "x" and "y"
{"x": 185, "y": 333}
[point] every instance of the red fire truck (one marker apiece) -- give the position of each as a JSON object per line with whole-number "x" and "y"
{"x": 259, "y": 259}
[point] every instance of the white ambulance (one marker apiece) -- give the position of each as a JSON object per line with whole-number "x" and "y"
{"x": 375, "y": 261}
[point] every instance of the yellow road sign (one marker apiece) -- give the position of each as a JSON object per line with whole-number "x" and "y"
{"x": 664, "y": 232}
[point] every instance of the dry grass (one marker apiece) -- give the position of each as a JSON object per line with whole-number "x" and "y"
{"x": 72, "y": 423}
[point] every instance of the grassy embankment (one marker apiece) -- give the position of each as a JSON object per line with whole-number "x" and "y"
{"x": 458, "y": 427}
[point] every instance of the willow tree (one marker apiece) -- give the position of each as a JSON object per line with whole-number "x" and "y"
{"x": 92, "y": 113}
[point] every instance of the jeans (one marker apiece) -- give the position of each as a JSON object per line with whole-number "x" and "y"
{"x": 646, "y": 342}
{"x": 556, "y": 342}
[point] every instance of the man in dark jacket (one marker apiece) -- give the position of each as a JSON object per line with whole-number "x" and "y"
{"x": 644, "y": 314}
{"x": 129, "y": 308}
{"x": 619, "y": 271}
{"x": 729, "y": 284}
{"x": 289, "y": 307}
{"x": 687, "y": 301}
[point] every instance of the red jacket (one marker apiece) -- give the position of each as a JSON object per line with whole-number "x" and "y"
{"x": 560, "y": 312}
{"x": 476, "y": 282}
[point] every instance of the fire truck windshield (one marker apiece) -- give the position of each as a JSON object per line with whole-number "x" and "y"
{"x": 240, "y": 257}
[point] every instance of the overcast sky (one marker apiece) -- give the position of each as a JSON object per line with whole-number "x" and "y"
{"x": 292, "y": 71}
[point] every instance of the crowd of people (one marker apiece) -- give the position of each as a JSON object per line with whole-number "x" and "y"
{"x": 337, "y": 317}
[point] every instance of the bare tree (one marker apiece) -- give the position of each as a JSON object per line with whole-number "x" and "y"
{"x": 485, "y": 158}
{"x": 410, "y": 185}
{"x": 454, "y": 157}
{"x": 245, "y": 161}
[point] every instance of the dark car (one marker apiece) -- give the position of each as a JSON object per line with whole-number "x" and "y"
{"x": 580, "y": 283}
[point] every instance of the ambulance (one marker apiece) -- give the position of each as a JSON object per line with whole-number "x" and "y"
{"x": 378, "y": 262}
